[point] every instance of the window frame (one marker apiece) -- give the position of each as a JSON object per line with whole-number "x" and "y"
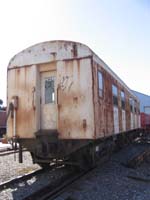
{"x": 51, "y": 99}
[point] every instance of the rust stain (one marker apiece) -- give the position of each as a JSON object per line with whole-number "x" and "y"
{"x": 75, "y": 100}
{"x": 18, "y": 71}
{"x": 84, "y": 124}
{"x": 78, "y": 68}
{"x": 54, "y": 54}
{"x": 78, "y": 58}
{"x": 72, "y": 124}
{"x": 75, "y": 50}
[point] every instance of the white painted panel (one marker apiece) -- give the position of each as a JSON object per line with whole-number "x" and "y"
{"x": 116, "y": 120}
{"x": 135, "y": 121}
{"x": 139, "y": 121}
{"x": 131, "y": 120}
{"x": 22, "y": 83}
{"x": 75, "y": 99}
{"x": 123, "y": 120}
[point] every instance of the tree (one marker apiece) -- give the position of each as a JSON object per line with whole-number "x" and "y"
{"x": 1, "y": 103}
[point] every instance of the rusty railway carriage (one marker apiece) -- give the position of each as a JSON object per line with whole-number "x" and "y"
{"x": 67, "y": 103}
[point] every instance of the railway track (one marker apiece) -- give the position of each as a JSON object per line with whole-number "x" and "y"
{"x": 55, "y": 189}
{"x": 135, "y": 154}
{"x": 16, "y": 182}
{"x": 56, "y": 186}
{"x": 9, "y": 152}
{"x": 18, "y": 179}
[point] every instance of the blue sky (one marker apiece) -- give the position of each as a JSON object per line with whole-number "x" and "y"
{"x": 116, "y": 30}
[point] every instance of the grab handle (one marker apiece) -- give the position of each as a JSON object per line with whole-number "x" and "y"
{"x": 33, "y": 98}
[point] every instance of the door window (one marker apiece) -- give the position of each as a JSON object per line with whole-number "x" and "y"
{"x": 50, "y": 90}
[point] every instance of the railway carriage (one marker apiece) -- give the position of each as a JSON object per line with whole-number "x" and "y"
{"x": 66, "y": 103}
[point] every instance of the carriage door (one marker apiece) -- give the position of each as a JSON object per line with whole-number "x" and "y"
{"x": 48, "y": 100}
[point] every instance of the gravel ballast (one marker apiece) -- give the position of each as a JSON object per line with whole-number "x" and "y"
{"x": 11, "y": 169}
{"x": 110, "y": 181}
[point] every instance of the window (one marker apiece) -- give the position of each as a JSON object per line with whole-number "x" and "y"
{"x": 122, "y": 100}
{"x": 135, "y": 109}
{"x": 135, "y": 106}
{"x": 100, "y": 84}
{"x": 115, "y": 95}
{"x": 131, "y": 104}
{"x": 49, "y": 90}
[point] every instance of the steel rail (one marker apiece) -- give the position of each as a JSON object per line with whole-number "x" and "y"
{"x": 54, "y": 189}
{"x": 18, "y": 179}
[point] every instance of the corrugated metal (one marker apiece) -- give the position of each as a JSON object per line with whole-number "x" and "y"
{"x": 147, "y": 110}
{"x": 144, "y": 100}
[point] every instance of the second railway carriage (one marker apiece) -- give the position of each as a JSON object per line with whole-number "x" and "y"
{"x": 64, "y": 98}
{"x": 144, "y": 109}
{"x": 2, "y": 122}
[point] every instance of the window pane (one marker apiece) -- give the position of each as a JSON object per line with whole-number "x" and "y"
{"x": 114, "y": 90}
{"x": 131, "y": 104}
{"x": 122, "y": 100}
{"x": 122, "y": 95}
{"x": 115, "y": 95}
{"x": 100, "y": 83}
{"x": 49, "y": 90}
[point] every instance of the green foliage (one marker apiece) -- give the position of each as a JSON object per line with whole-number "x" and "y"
{"x": 1, "y": 102}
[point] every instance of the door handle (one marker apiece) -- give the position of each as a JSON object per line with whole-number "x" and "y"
{"x": 58, "y": 95}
